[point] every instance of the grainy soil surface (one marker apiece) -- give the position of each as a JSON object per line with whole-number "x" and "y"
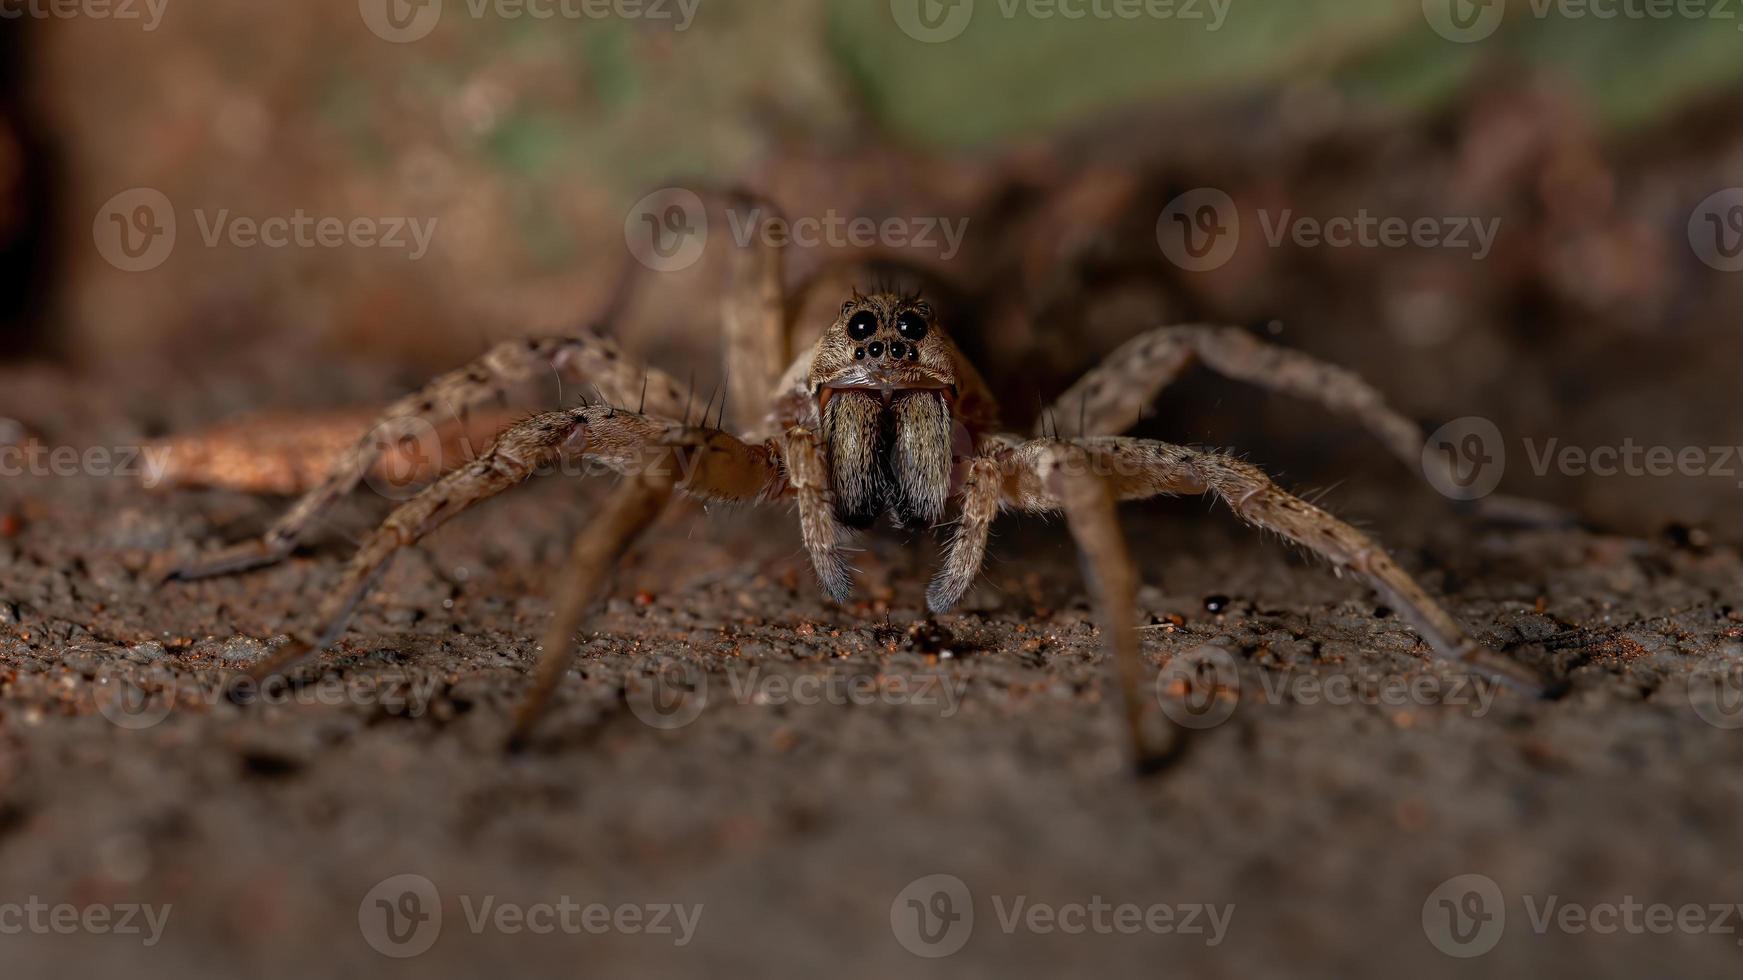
{"x": 842, "y": 753}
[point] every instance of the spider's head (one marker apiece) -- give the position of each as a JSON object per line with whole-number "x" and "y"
{"x": 884, "y": 343}
{"x": 885, "y": 378}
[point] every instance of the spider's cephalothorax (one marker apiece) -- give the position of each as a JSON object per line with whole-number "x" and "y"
{"x": 880, "y": 415}
{"x": 884, "y": 377}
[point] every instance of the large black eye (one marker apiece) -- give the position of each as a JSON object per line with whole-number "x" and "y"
{"x": 911, "y": 325}
{"x": 863, "y": 325}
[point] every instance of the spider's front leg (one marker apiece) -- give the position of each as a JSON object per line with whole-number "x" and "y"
{"x": 633, "y": 508}
{"x": 656, "y": 455}
{"x": 807, "y": 465}
{"x": 589, "y": 359}
{"x": 1084, "y": 478}
{"x": 1135, "y": 469}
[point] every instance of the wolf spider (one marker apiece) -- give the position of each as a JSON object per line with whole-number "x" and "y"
{"x": 881, "y": 415}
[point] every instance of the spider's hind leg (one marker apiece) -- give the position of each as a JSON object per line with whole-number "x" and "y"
{"x": 590, "y": 358}
{"x": 655, "y": 455}
{"x": 530, "y": 444}
{"x": 1112, "y": 396}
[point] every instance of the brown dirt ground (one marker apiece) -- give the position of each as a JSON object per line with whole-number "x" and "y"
{"x": 796, "y": 826}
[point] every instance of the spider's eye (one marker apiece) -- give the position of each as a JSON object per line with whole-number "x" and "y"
{"x": 863, "y": 325}
{"x": 911, "y": 325}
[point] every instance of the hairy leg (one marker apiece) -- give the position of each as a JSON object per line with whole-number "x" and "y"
{"x": 1138, "y": 468}
{"x": 982, "y": 489}
{"x": 703, "y": 462}
{"x": 1109, "y": 398}
{"x": 597, "y": 550}
{"x": 591, "y": 359}
{"x": 808, "y": 475}
{"x": 754, "y": 314}
{"x": 1060, "y": 476}
{"x": 1088, "y": 502}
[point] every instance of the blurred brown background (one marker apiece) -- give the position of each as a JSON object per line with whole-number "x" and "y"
{"x": 1600, "y": 149}
{"x": 527, "y": 142}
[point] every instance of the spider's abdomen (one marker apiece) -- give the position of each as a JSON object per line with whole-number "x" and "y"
{"x": 888, "y": 452}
